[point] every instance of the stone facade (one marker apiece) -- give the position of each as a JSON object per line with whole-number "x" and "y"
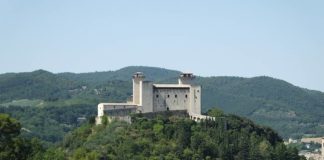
{"x": 149, "y": 97}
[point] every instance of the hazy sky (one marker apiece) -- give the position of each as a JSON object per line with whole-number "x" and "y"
{"x": 279, "y": 38}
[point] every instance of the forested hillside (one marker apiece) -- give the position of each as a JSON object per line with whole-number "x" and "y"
{"x": 174, "y": 137}
{"x": 39, "y": 84}
{"x": 50, "y": 123}
{"x": 163, "y": 137}
{"x": 125, "y": 74}
{"x": 290, "y": 110}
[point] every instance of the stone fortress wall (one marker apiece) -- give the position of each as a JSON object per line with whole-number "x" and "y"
{"x": 150, "y": 98}
{"x": 170, "y": 99}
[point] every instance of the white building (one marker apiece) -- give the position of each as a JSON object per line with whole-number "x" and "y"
{"x": 149, "y": 97}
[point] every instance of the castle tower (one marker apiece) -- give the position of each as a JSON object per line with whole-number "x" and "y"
{"x": 138, "y": 78}
{"x": 186, "y": 78}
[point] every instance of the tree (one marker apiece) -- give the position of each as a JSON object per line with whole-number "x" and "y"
{"x": 265, "y": 149}
{"x": 9, "y": 132}
{"x": 54, "y": 154}
{"x": 215, "y": 112}
{"x": 12, "y": 146}
{"x": 9, "y": 128}
{"x": 104, "y": 120}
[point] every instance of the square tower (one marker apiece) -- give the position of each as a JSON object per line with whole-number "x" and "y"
{"x": 138, "y": 78}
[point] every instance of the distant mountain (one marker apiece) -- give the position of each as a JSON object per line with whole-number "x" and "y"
{"x": 291, "y": 110}
{"x": 39, "y": 84}
{"x": 151, "y": 73}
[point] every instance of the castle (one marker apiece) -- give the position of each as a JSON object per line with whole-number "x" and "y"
{"x": 149, "y": 97}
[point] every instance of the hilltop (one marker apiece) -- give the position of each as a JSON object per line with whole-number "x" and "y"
{"x": 165, "y": 136}
{"x": 39, "y": 84}
{"x": 124, "y": 74}
{"x": 290, "y": 110}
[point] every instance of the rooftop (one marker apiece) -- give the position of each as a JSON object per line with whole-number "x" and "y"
{"x": 171, "y": 85}
{"x": 117, "y": 104}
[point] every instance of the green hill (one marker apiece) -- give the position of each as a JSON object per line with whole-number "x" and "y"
{"x": 125, "y": 74}
{"x": 165, "y": 136}
{"x": 290, "y": 110}
{"x": 173, "y": 137}
{"x": 39, "y": 84}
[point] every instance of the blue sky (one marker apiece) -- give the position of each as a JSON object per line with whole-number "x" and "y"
{"x": 281, "y": 39}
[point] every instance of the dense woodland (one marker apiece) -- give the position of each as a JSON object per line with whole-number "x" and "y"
{"x": 163, "y": 137}
{"x": 50, "y": 123}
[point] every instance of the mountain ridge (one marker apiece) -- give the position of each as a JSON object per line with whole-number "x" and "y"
{"x": 137, "y": 68}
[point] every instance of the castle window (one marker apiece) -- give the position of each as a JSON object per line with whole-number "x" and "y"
{"x": 186, "y": 96}
{"x": 175, "y": 96}
{"x": 157, "y": 96}
{"x": 168, "y": 96}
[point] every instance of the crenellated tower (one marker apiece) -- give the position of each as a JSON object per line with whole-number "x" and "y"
{"x": 186, "y": 78}
{"x": 138, "y": 78}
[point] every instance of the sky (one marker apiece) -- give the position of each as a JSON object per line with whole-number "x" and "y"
{"x": 281, "y": 39}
